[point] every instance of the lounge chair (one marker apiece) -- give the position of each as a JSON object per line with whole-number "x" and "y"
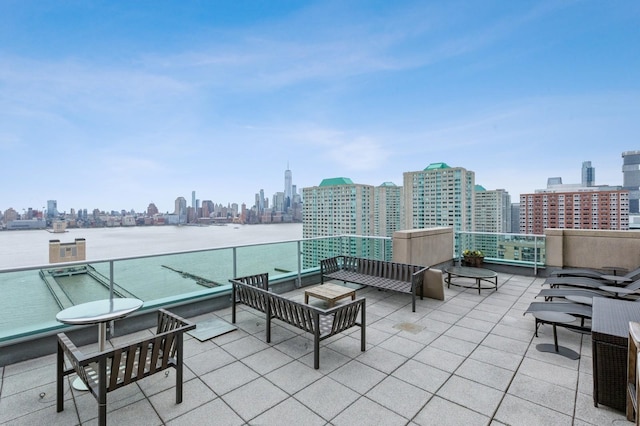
{"x": 601, "y": 291}
{"x": 584, "y": 282}
{"x": 591, "y": 273}
{"x": 578, "y": 310}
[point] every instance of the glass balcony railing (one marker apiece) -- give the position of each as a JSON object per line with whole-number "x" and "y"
{"x": 32, "y": 296}
{"x": 514, "y": 249}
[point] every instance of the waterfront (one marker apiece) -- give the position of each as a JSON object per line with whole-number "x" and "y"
{"x": 149, "y": 279}
{"x": 31, "y": 248}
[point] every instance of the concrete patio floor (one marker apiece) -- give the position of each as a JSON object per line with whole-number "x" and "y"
{"x": 468, "y": 360}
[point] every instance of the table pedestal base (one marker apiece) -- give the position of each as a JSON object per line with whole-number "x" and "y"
{"x": 560, "y": 350}
{"x": 79, "y": 385}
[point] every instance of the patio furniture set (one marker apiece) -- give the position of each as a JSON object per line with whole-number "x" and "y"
{"x": 111, "y": 369}
{"x": 609, "y": 303}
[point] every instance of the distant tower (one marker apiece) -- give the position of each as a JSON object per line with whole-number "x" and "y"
{"x": 554, "y": 181}
{"x": 631, "y": 178}
{"x": 181, "y": 207}
{"x": 52, "y": 208}
{"x": 588, "y": 174}
{"x": 288, "y": 193}
{"x": 193, "y": 199}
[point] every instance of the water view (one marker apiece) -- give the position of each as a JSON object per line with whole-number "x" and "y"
{"x": 45, "y": 291}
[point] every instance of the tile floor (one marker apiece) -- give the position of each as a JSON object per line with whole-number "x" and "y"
{"x": 468, "y": 360}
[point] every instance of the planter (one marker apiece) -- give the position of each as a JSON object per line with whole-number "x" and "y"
{"x": 474, "y": 261}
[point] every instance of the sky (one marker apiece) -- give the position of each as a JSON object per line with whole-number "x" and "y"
{"x": 117, "y": 104}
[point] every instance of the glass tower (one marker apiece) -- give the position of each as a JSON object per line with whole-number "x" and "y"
{"x": 631, "y": 178}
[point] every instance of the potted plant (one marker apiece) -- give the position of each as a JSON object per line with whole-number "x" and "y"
{"x": 472, "y": 258}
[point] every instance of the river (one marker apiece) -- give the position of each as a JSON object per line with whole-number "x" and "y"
{"x": 31, "y": 248}
{"x": 31, "y": 299}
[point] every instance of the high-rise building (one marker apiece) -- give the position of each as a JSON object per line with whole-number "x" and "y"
{"x": 492, "y": 216}
{"x": 492, "y": 210}
{"x": 181, "y": 209}
{"x": 515, "y": 218}
{"x": 152, "y": 209}
{"x": 337, "y": 206}
{"x": 388, "y": 217}
{"x": 631, "y": 178}
{"x": 588, "y": 174}
{"x": 52, "y": 208}
{"x": 594, "y": 209}
{"x": 288, "y": 189}
{"x": 193, "y": 200}
{"x": 439, "y": 195}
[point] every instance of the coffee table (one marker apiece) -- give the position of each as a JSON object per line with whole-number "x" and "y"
{"x": 330, "y": 293}
{"x": 479, "y": 274}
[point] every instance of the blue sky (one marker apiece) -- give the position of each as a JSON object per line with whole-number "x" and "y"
{"x": 116, "y": 104}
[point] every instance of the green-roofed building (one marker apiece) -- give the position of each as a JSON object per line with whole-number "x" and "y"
{"x": 336, "y": 181}
{"x": 436, "y": 166}
{"x": 439, "y": 195}
{"x": 340, "y": 207}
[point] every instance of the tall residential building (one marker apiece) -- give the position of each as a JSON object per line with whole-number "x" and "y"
{"x": 588, "y": 174}
{"x": 337, "y": 206}
{"x": 439, "y": 195}
{"x": 387, "y": 217}
{"x": 492, "y": 216}
{"x": 492, "y": 210}
{"x": 515, "y": 218}
{"x": 631, "y": 178}
{"x": 595, "y": 209}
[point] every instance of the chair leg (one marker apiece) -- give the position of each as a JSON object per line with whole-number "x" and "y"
{"x": 179, "y": 370}
{"x": 60, "y": 380}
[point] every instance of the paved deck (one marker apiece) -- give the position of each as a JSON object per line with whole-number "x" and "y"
{"x": 468, "y": 360}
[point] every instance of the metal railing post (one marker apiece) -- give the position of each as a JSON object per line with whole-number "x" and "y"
{"x": 235, "y": 264}
{"x": 299, "y": 279}
{"x": 111, "y": 280}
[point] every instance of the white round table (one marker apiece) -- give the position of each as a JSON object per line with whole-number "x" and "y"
{"x": 98, "y": 312}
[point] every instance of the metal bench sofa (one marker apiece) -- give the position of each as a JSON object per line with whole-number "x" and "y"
{"x": 322, "y": 324}
{"x": 399, "y": 277}
{"x": 130, "y": 362}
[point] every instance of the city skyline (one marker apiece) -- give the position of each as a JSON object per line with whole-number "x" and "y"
{"x": 114, "y": 105}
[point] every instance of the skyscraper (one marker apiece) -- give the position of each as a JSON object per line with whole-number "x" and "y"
{"x": 288, "y": 193}
{"x": 631, "y": 178}
{"x": 439, "y": 195}
{"x": 193, "y": 199}
{"x": 588, "y": 174}
{"x": 492, "y": 210}
{"x": 387, "y": 217}
{"x": 337, "y": 206}
{"x": 52, "y": 208}
{"x": 181, "y": 209}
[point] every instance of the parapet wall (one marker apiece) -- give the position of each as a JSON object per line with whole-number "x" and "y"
{"x": 427, "y": 247}
{"x": 584, "y": 248}
{"x": 67, "y": 252}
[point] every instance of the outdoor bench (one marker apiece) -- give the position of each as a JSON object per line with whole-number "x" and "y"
{"x": 253, "y": 291}
{"x": 399, "y": 277}
{"x": 112, "y": 369}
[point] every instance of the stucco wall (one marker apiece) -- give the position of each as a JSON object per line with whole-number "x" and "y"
{"x": 427, "y": 247}
{"x": 582, "y": 248}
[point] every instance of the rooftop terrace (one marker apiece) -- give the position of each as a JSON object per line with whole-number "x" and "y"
{"x": 470, "y": 359}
